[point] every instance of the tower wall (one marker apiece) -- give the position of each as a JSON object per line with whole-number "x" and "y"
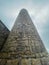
{"x": 24, "y": 45}
{"x": 4, "y": 32}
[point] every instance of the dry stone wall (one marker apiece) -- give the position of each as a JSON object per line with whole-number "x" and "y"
{"x": 4, "y": 32}
{"x": 24, "y": 45}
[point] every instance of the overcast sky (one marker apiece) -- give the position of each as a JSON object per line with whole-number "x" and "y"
{"x": 37, "y": 9}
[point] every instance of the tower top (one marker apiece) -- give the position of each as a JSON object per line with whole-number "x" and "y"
{"x": 23, "y": 10}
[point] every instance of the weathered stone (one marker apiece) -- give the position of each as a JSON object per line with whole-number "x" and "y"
{"x": 44, "y": 61}
{"x": 4, "y": 32}
{"x": 25, "y": 62}
{"x": 12, "y": 62}
{"x": 3, "y": 61}
{"x": 36, "y": 62}
{"x": 24, "y": 46}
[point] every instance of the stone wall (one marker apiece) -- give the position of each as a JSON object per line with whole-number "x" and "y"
{"x": 4, "y": 32}
{"x": 24, "y": 45}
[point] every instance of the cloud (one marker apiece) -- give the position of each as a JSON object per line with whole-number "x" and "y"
{"x": 48, "y": 49}
{"x": 41, "y": 15}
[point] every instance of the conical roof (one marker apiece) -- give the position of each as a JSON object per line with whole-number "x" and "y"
{"x": 24, "y": 45}
{"x": 4, "y": 32}
{"x": 24, "y": 33}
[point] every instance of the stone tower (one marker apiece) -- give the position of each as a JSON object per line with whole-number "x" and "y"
{"x": 24, "y": 46}
{"x": 4, "y": 32}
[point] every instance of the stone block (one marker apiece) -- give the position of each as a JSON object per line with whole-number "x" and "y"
{"x": 25, "y": 62}
{"x": 36, "y": 62}
{"x": 3, "y": 61}
{"x": 12, "y": 62}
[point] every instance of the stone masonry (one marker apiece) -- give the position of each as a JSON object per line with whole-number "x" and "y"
{"x": 4, "y": 32}
{"x": 24, "y": 45}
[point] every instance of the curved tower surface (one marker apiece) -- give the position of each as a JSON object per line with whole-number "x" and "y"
{"x": 24, "y": 45}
